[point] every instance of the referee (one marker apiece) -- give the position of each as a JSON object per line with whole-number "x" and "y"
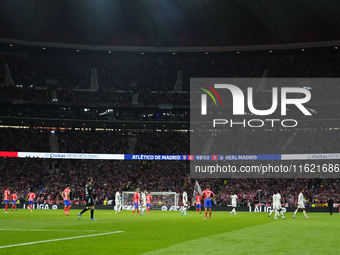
{"x": 89, "y": 199}
{"x": 330, "y": 205}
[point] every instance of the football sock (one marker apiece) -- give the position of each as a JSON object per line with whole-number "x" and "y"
{"x": 205, "y": 214}
{"x": 295, "y": 213}
{"x": 83, "y": 211}
{"x": 134, "y": 211}
{"x": 271, "y": 212}
{"x": 185, "y": 211}
{"x": 282, "y": 214}
{"x": 304, "y": 213}
{"x": 210, "y": 215}
{"x": 12, "y": 207}
{"x": 148, "y": 209}
{"x": 196, "y": 209}
{"x": 92, "y": 211}
{"x": 6, "y": 207}
{"x": 69, "y": 207}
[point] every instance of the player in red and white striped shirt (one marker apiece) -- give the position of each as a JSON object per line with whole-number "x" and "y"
{"x": 30, "y": 197}
{"x": 198, "y": 203}
{"x": 148, "y": 202}
{"x": 67, "y": 201}
{"x": 6, "y": 198}
{"x": 136, "y": 201}
{"x": 208, "y": 196}
{"x": 14, "y": 198}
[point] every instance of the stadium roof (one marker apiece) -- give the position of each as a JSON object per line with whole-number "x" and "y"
{"x": 171, "y": 25}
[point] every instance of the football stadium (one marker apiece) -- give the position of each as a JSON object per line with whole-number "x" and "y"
{"x": 169, "y": 126}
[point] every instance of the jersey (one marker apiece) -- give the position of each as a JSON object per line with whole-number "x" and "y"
{"x": 278, "y": 198}
{"x": 14, "y": 196}
{"x": 136, "y": 198}
{"x": 66, "y": 193}
{"x": 198, "y": 199}
{"x": 6, "y": 194}
{"x": 233, "y": 200}
{"x": 31, "y": 196}
{"x": 148, "y": 199}
{"x": 208, "y": 194}
{"x": 143, "y": 199}
{"x": 88, "y": 191}
{"x": 185, "y": 198}
{"x": 117, "y": 197}
{"x": 301, "y": 201}
{"x": 274, "y": 201}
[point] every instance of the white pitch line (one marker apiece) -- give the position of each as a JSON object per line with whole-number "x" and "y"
{"x": 49, "y": 230}
{"x": 59, "y": 239}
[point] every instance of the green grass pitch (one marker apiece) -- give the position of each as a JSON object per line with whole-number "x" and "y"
{"x": 167, "y": 233}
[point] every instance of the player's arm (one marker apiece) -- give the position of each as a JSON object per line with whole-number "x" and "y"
{"x": 62, "y": 194}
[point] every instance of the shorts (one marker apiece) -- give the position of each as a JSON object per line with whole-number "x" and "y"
{"x": 149, "y": 205}
{"x": 117, "y": 203}
{"x": 67, "y": 202}
{"x": 89, "y": 202}
{"x": 30, "y": 202}
{"x": 207, "y": 203}
{"x": 136, "y": 205}
{"x": 14, "y": 202}
{"x": 198, "y": 206}
{"x": 144, "y": 205}
{"x": 185, "y": 204}
{"x": 234, "y": 205}
{"x": 6, "y": 201}
{"x": 302, "y": 206}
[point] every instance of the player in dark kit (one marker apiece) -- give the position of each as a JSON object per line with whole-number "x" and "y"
{"x": 89, "y": 198}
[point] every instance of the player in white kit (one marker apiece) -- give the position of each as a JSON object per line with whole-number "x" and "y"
{"x": 301, "y": 204}
{"x": 185, "y": 203}
{"x": 143, "y": 202}
{"x": 118, "y": 202}
{"x": 279, "y": 205}
{"x": 274, "y": 206}
{"x": 234, "y": 199}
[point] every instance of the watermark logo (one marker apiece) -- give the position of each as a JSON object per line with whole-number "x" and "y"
{"x": 282, "y": 96}
{"x": 204, "y": 97}
{"x": 238, "y": 100}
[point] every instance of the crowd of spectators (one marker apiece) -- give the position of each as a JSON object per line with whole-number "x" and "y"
{"x": 67, "y": 72}
{"x": 118, "y": 75}
{"x": 47, "y": 178}
{"x": 24, "y": 139}
{"x": 167, "y": 142}
{"x": 262, "y": 190}
{"x": 93, "y": 141}
{"x": 243, "y": 141}
{"x": 27, "y": 94}
{"x": 2, "y": 73}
